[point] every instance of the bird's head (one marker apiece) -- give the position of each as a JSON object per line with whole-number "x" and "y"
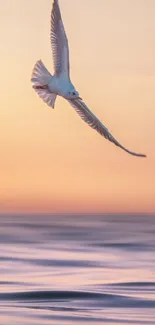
{"x": 73, "y": 94}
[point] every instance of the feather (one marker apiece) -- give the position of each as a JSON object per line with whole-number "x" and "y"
{"x": 59, "y": 42}
{"x": 40, "y": 79}
{"x": 96, "y": 124}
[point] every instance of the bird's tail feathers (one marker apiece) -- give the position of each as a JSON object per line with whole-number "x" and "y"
{"x": 40, "y": 75}
{"x": 40, "y": 80}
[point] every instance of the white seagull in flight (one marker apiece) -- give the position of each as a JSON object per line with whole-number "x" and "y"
{"x": 48, "y": 86}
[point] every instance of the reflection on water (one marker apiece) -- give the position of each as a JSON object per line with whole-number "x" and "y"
{"x": 77, "y": 270}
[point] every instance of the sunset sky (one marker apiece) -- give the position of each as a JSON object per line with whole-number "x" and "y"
{"x": 51, "y": 161}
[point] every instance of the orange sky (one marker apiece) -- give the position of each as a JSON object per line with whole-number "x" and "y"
{"x": 51, "y": 161}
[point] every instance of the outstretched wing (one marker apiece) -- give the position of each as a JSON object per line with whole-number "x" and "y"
{"x": 59, "y": 42}
{"x": 96, "y": 124}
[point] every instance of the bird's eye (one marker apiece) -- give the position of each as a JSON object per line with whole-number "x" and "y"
{"x": 74, "y": 94}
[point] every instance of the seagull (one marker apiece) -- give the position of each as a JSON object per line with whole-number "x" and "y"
{"x": 48, "y": 86}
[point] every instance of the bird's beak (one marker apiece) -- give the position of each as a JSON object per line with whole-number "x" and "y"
{"x": 80, "y": 98}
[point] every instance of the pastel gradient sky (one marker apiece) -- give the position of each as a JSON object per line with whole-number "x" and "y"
{"x": 51, "y": 161}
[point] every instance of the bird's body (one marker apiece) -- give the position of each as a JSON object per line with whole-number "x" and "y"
{"x": 60, "y": 86}
{"x": 50, "y": 86}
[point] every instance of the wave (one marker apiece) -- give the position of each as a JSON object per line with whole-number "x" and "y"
{"x": 52, "y": 262}
{"x": 101, "y": 299}
{"x": 132, "y": 284}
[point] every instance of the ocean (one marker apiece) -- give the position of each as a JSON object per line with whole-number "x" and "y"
{"x": 77, "y": 269}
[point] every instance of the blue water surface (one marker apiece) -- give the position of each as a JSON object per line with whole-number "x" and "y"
{"x": 77, "y": 269}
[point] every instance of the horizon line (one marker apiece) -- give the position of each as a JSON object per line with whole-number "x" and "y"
{"x": 51, "y": 214}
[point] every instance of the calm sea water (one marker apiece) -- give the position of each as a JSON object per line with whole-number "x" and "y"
{"x": 66, "y": 270}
